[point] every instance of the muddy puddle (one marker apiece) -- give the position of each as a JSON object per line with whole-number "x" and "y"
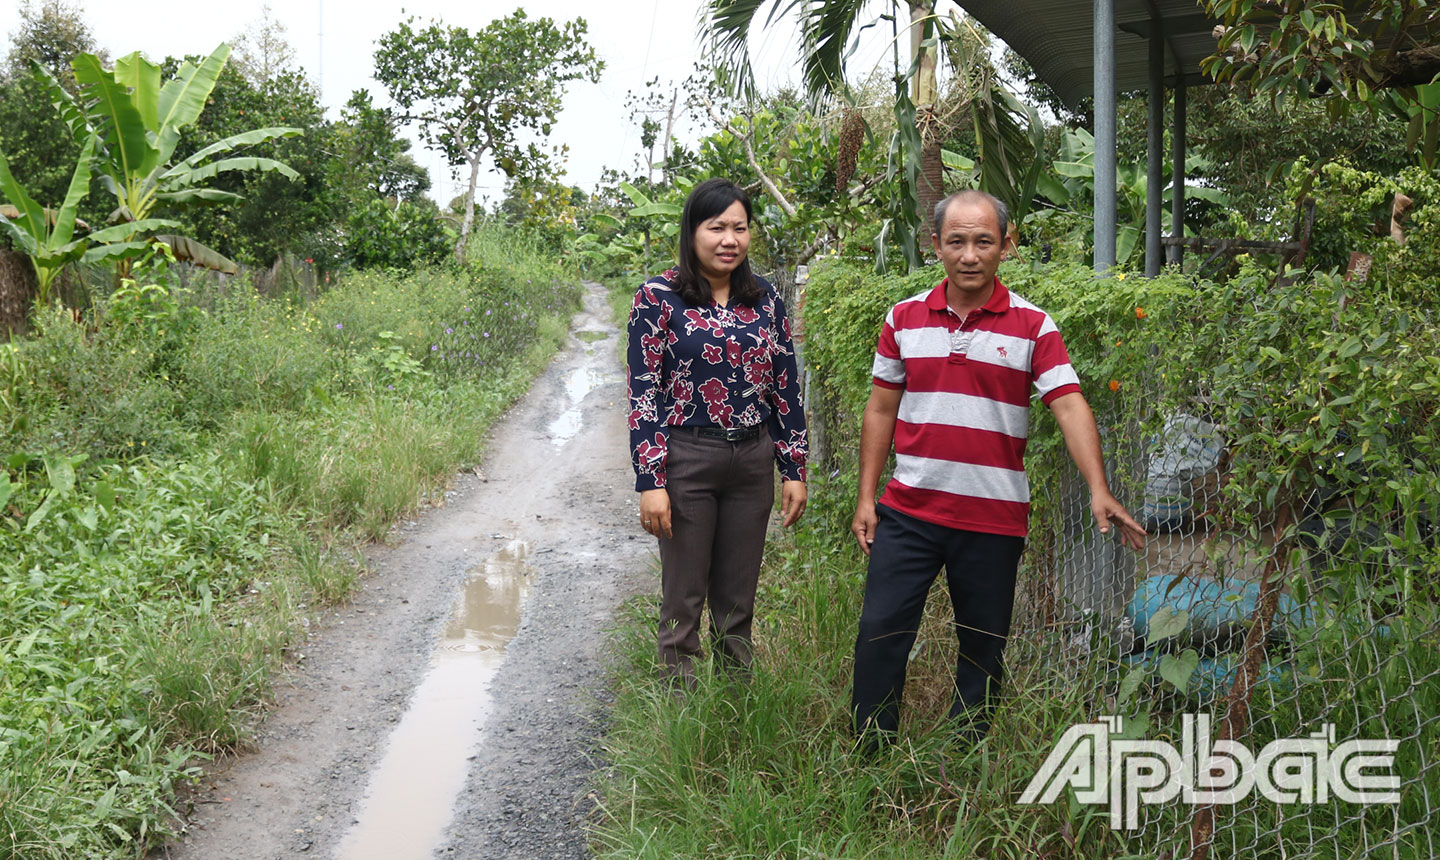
{"x": 412, "y": 794}
{"x": 578, "y": 383}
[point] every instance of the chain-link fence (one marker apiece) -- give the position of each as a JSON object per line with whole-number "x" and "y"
{"x": 1308, "y": 629}
{"x": 1276, "y": 662}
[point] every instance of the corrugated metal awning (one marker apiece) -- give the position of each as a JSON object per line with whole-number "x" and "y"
{"x": 1056, "y": 37}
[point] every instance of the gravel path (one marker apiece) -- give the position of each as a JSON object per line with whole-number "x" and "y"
{"x": 545, "y": 530}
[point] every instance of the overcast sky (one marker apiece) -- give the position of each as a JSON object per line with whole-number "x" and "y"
{"x": 334, "y": 41}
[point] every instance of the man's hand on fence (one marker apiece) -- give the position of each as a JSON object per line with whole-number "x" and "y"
{"x": 1108, "y": 511}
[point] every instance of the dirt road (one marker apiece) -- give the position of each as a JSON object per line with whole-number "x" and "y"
{"x": 448, "y": 710}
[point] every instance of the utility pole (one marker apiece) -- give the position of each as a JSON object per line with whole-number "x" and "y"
{"x": 320, "y": 45}
{"x": 669, "y": 126}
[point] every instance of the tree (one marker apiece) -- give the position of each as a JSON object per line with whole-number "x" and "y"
{"x": 35, "y": 142}
{"x": 1383, "y": 54}
{"x": 138, "y": 123}
{"x": 276, "y": 214}
{"x": 1249, "y": 147}
{"x": 376, "y": 158}
{"x": 1354, "y": 47}
{"x": 648, "y": 108}
{"x": 47, "y": 236}
{"x": 262, "y": 52}
{"x": 473, "y": 94}
{"x": 543, "y": 208}
{"x": 50, "y": 35}
{"x": 1008, "y": 133}
{"x": 399, "y": 236}
{"x": 826, "y": 27}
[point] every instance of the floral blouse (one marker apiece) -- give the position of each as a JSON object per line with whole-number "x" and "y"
{"x": 716, "y": 366}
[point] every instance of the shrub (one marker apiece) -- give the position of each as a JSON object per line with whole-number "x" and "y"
{"x": 404, "y": 235}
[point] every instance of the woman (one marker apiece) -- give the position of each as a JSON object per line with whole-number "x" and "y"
{"x": 714, "y": 399}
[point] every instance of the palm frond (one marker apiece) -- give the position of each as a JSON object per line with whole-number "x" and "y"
{"x": 826, "y": 31}
{"x": 727, "y": 24}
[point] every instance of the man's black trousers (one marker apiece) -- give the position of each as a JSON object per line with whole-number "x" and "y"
{"x": 904, "y": 560}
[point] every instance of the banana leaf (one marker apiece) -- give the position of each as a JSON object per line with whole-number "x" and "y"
{"x": 956, "y": 161}
{"x": 24, "y": 242}
{"x": 184, "y": 97}
{"x": 1126, "y": 239}
{"x": 247, "y": 138}
{"x": 635, "y": 194}
{"x": 115, "y": 251}
{"x": 143, "y": 79}
{"x": 673, "y": 210}
{"x": 79, "y": 187}
{"x": 225, "y": 165}
{"x": 29, "y": 227}
{"x": 126, "y": 132}
{"x": 119, "y": 232}
{"x": 188, "y": 250}
{"x": 69, "y": 109}
{"x": 199, "y": 195}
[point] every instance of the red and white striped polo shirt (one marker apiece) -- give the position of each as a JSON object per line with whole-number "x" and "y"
{"x": 964, "y": 415}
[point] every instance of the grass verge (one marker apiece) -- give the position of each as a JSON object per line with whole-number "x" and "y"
{"x": 180, "y": 487}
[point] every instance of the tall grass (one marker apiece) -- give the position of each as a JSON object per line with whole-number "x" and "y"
{"x": 770, "y": 769}
{"x": 178, "y": 486}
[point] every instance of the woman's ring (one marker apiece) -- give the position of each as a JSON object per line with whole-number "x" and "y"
{"x": 644, "y": 522}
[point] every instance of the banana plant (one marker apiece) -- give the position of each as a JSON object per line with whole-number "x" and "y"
{"x": 137, "y": 122}
{"x": 47, "y": 236}
{"x": 1075, "y": 169}
{"x": 667, "y": 210}
{"x": 1010, "y": 140}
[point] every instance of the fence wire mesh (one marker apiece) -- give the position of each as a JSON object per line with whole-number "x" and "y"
{"x": 1330, "y": 607}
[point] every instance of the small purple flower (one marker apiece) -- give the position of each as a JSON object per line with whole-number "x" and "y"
{"x": 433, "y": 347}
{"x": 391, "y": 387}
{"x": 339, "y": 325}
{"x": 487, "y": 334}
{"x": 487, "y": 312}
{"x": 449, "y": 331}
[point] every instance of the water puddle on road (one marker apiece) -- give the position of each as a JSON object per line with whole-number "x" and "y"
{"x": 412, "y": 794}
{"x": 578, "y": 383}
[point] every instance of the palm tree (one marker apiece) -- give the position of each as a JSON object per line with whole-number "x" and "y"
{"x": 826, "y": 27}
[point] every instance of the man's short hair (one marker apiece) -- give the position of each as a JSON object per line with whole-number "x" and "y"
{"x": 1002, "y": 212}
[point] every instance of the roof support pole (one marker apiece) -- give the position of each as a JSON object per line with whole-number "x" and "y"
{"x": 1155, "y": 149}
{"x": 1105, "y": 219}
{"x": 1177, "y": 171}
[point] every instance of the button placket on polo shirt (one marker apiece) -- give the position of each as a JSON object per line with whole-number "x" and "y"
{"x": 961, "y": 335}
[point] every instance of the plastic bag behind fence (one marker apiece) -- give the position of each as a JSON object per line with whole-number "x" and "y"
{"x": 1190, "y": 451}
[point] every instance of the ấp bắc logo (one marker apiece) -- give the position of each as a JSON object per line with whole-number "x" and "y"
{"x": 1126, "y": 773}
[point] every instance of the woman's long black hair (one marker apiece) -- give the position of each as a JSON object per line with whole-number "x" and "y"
{"x": 708, "y": 199}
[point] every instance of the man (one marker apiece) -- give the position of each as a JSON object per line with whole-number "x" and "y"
{"x": 952, "y": 379}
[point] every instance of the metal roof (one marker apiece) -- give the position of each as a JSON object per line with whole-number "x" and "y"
{"x": 1055, "y": 37}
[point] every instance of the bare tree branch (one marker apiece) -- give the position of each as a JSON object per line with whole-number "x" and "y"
{"x": 745, "y": 138}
